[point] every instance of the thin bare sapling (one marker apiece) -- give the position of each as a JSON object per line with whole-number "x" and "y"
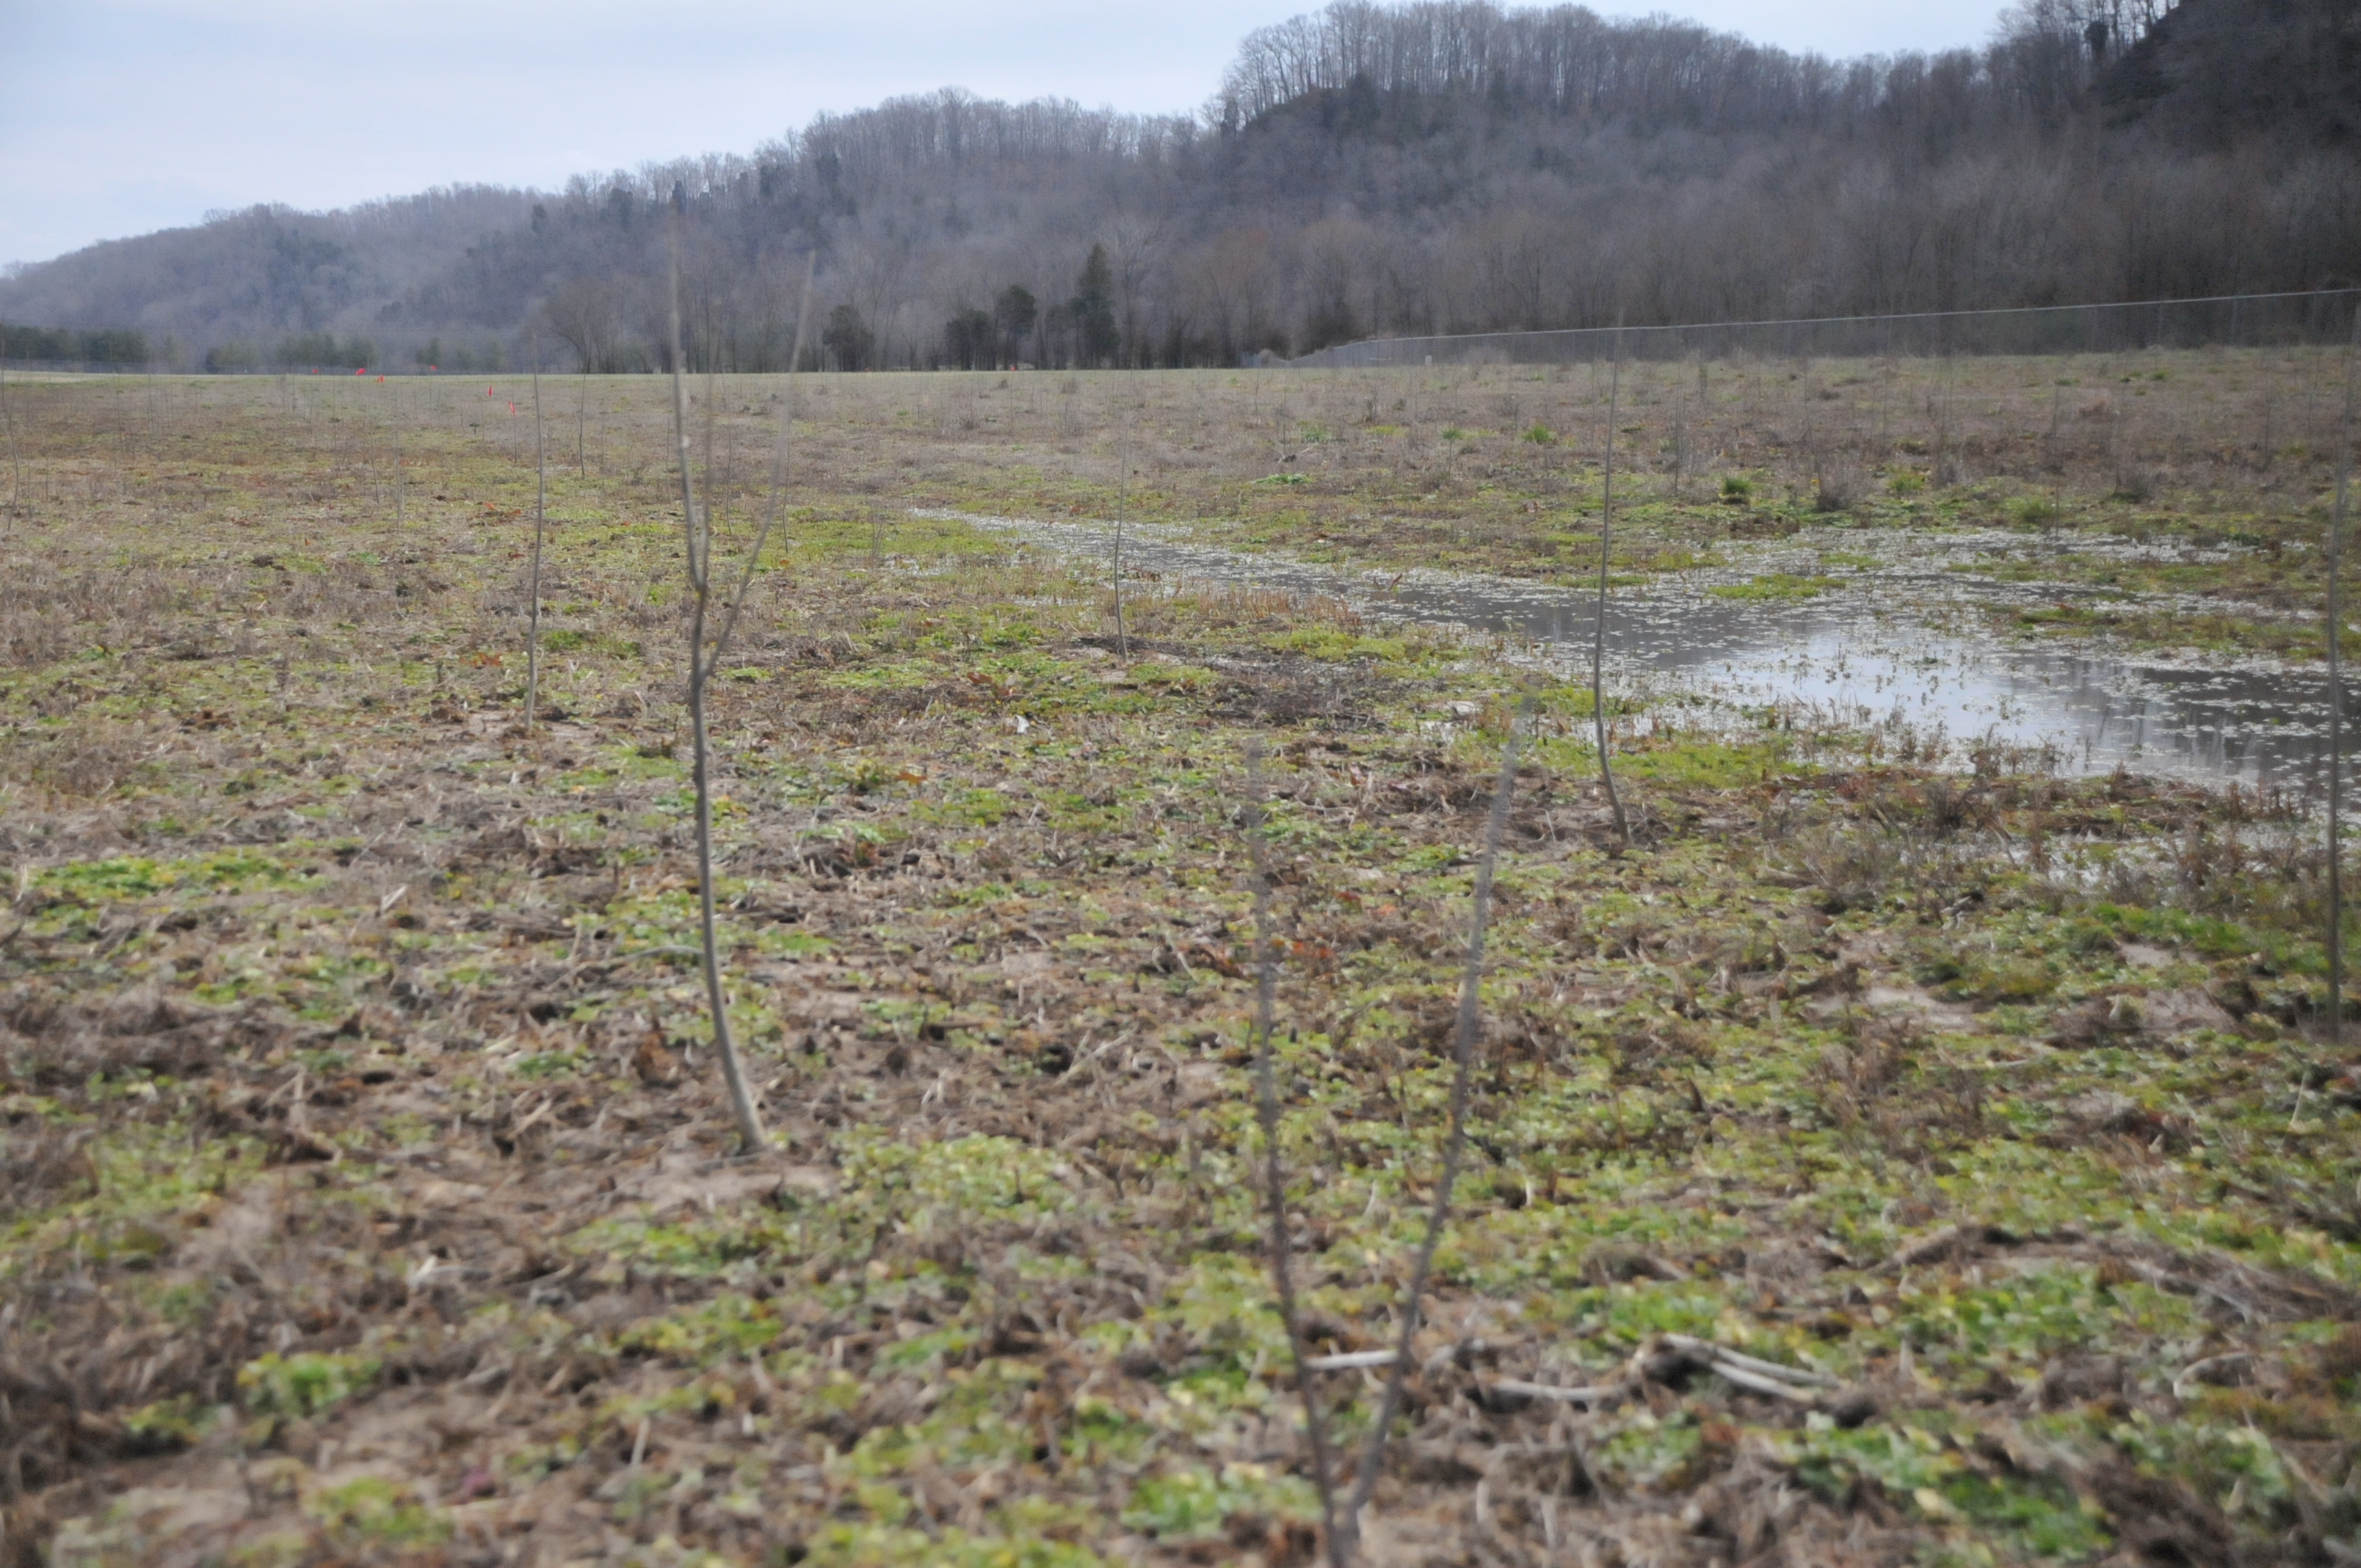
{"x": 1680, "y": 440}
{"x": 1455, "y": 1145}
{"x": 1274, "y": 1175}
{"x": 2337, "y": 713}
{"x": 1599, "y": 632}
{"x": 15, "y": 457}
{"x": 1122, "y": 500}
{"x": 703, "y": 656}
{"x": 400, "y": 412}
{"x": 540, "y": 532}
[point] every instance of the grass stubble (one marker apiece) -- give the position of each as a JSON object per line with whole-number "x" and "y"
{"x": 364, "y": 1199}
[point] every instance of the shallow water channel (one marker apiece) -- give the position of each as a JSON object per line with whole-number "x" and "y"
{"x": 1901, "y": 646}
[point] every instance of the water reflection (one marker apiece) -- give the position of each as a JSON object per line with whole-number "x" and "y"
{"x": 1898, "y": 647}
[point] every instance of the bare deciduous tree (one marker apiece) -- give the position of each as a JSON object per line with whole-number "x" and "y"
{"x": 702, "y": 657}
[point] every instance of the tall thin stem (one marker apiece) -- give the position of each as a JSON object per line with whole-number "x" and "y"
{"x": 1462, "y": 1054}
{"x": 1274, "y": 1176}
{"x": 581, "y": 422}
{"x": 401, "y": 410}
{"x": 779, "y": 465}
{"x": 1598, "y": 632}
{"x": 8, "y": 418}
{"x": 699, "y": 550}
{"x": 1941, "y": 478}
{"x": 540, "y": 529}
{"x": 1122, "y": 499}
{"x": 2336, "y": 714}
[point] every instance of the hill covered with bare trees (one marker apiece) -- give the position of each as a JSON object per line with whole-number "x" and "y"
{"x": 1365, "y": 169}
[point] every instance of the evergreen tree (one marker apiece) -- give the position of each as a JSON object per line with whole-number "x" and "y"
{"x": 1093, "y": 308}
{"x": 847, "y": 337}
{"x": 1013, "y": 314}
{"x": 968, "y": 341}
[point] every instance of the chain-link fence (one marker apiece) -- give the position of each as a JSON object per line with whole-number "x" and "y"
{"x": 2252, "y": 321}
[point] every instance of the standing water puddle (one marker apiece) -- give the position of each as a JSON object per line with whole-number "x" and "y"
{"x": 1867, "y": 653}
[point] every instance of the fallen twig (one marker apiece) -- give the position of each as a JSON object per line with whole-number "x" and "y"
{"x": 1589, "y": 1394}
{"x": 1760, "y": 1384}
{"x": 1720, "y": 1355}
{"x": 2188, "y": 1373}
{"x": 1937, "y": 1243}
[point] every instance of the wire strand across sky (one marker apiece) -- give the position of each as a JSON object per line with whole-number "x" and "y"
{"x": 118, "y": 117}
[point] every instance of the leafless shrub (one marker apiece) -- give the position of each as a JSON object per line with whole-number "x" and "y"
{"x": 49, "y": 1040}
{"x": 1839, "y": 486}
{"x": 2274, "y": 877}
{"x": 48, "y": 615}
{"x": 1851, "y": 864}
{"x": 1854, "y": 1078}
{"x": 42, "y": 1164}
{"x": 88, "y": 759}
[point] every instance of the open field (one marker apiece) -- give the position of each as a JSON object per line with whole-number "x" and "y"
{"x": 2208, "y": 472}
{"x": 366, "y": 1189}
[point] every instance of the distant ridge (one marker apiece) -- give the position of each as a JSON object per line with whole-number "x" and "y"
{"x": 1362, "y": 170}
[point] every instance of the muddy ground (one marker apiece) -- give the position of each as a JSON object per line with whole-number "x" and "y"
{"x": 368, "y": 1194}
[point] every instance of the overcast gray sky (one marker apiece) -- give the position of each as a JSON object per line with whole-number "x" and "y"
{"x": 122, "y": 116}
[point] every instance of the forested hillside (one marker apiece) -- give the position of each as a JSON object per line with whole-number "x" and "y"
{"x": 1368, "y": 169}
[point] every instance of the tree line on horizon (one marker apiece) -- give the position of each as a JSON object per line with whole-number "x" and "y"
{"x": 1367, "y": 169}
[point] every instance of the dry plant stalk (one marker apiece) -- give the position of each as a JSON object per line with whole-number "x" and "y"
{"x": 1599, "y": 634}
{"x": 540, "y": 529}
{"x": 1315, "y": 1418}
{"x": 702, "y": 658}
{"x": 1463, "y": 1056}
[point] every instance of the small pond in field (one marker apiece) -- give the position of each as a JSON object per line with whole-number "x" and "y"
{"x": 1901, "y": 642}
